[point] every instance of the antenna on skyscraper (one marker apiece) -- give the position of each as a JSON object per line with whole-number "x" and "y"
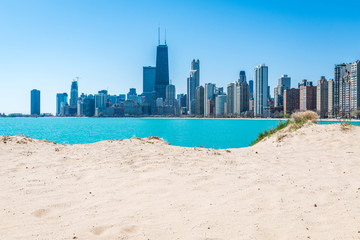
{"x": 159, "y": 35}
{"x": 165, "y": 36}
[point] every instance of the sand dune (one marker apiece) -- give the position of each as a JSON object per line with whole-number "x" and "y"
{"x": 305, "y": 185}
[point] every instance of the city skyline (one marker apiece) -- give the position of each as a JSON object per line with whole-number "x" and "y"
{"x": 45, "y": 45}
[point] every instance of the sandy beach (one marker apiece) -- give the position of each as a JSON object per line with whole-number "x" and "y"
{"x": 294, "y": 185}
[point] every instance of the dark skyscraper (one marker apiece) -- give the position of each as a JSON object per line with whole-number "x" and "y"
{"x": 35, "y": 102}
{"x": 251, "y": 87}
{"x": 242, "y": 76}
{"x": 74, "y": 94}
{"x": 162, "y": 70}
{"x": 149, "y": 79}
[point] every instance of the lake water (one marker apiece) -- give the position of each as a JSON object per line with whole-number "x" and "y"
{"x": 209, "y": 133}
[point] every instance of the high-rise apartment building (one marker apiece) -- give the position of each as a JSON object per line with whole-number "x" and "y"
{"x": 344, "y": 95}
{"x": 231, "y": 95}
{"x": 322, "y": 97}
{"x": 284, "y": 82}
{"x": 260, "y": 90}
{"x": 191, "y": 87}
{"x": 307, "y": 98}
{"x": 355, "y": 86}
{"x": 199, "y": 101}
{"x": 209, "y": 99}
{"x": 331, "y": 98}
{"x": 291, "y": 100}
{"x": 149, "y": 79}
{"x": 220, "y": 102}
{"x": 339, "y": 72}
{"x": 162, "y": 70}
{"x": 60, "y": 98}
{"x": 170, "y": 100}
{"x": 35, "y": 102}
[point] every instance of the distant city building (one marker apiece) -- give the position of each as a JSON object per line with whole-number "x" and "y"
{"x": 170, "y": 96}
{"x": 192, "y": 83}
{"x": 355, "y": 86}
{"x": 304, "y": 83}
{"x": 162, "y": 70}
{"x": 344, "y": 95}
{"x": 132, "y": 95}
{"x": 220, "y": 103}
{"x": 149, "y": 79}
{"x": 209, "y": 99}
{"x": 284, "y": 82}
{"x": 199, "y": 101}
{"x": 74, "y": 94}
{"x": 261, "y": 90}
{"x": 322, "y": 97}
{"x": 231, "y": 98}
{"x": 291, "y": 100}
{"x": 242, "y": 77}
{"x": 307, "y": 98}
{"x": 251, "y": 87}
{"x": 331, "y": 112}
{"x": 339, "y": 72}
{"x": 191, "y": 87}
{"x": 35, "y": 102}
{"x": 60, "y": 98}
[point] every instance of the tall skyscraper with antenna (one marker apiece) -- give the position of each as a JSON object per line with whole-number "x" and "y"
{"x": 162, "y": 69}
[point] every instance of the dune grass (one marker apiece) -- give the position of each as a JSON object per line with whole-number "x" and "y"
{"x": 298, "y": 119}
{"x": 268, "y": 133}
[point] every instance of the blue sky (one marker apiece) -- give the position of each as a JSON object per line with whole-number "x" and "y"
{"x": 45, "y": 44}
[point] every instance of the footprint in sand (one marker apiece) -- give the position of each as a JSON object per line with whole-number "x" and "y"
{"x": 98, "y": 230}
{"x": 130, "y": 229}
{"x": 41, "y": 213}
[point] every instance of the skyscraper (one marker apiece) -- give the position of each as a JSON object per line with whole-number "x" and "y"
{"x": 242, "y": 76}
{"x": 149, "y": 79}
{"x": 191, "y": 87}
{"x": 35, "y": 102}
{"x": 220, "y": 102}
{"x": 261, "y": 90}
{"x": 74, "y": 94}
{"x": 162, "y": 70}
{"x": 170, "y": 96}
{"x": 331, "y": 98}
{"x": 60, "y": 98}
{"x": 192, "y": 83}
{"x": 283, "y": 83}
{"x": 195, "y": 65}
{"x": 307, "y": 98}
{"x": 209, "y": 99}
{"x": 322, "y": 97}
{"x": 339, "y": 72}
{"x": 231, "y": 95}
{"x": 355, "y": 86}
{"x": 251, "y": 87}
{"x": 199, "y": 101}
{"x": 291, "y": 100}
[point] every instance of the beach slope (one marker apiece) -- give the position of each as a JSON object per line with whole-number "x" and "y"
{"x": 293, "y": 185}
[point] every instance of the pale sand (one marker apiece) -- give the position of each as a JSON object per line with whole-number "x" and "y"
{"x": 305, "y": 187}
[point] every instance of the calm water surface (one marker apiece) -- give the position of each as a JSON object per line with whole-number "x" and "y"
{"x": 209, "y": 133}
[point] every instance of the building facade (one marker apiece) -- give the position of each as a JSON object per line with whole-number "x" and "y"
{"x": 260, "y": 90}
{"x": 307, "y": 98}
{"x": 291, "y": 100}
{"x": 322, "y": 97}
{"x": 162, "y": 70}
{"x": 35, "y": 102}
{"x": 149, "y": 79}
{"x": 60, "y": 98}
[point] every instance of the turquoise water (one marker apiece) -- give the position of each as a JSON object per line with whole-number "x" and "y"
{"x": 209, "y": 133}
